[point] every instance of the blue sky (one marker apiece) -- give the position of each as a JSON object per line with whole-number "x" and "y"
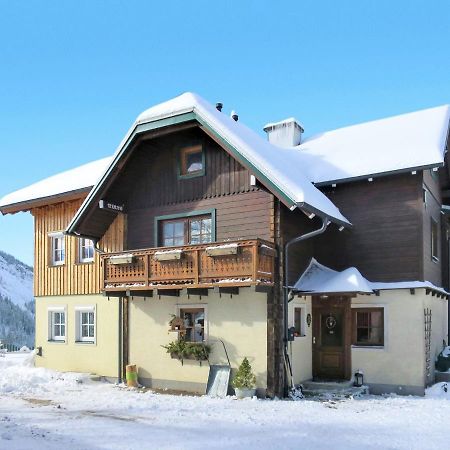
{"x": 75, "y": 74}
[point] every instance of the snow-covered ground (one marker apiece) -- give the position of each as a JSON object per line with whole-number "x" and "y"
{"x": 43, "y": 409}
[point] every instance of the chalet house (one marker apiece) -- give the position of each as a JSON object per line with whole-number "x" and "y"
{"x": 315, "y": 258}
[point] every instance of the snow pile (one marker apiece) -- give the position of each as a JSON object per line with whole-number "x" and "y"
{"x": 19, "y": 376}
{"x": 439, "y": 390}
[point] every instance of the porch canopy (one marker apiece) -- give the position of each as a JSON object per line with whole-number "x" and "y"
{"x": 321, "y": 280}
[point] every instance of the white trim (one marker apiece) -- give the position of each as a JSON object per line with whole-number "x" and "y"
{"x": 203, "y": 306}
{"x": 50, "y": 329}
{"x": 82, "y": 260}
{"x": 303, "y": 315}
{"x": 385, "y": 327}
{"x": 53, "y": 236}
{"x": 78, "y": 334}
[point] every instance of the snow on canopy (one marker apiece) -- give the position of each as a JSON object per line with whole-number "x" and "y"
{"x": 81, "y": 177}
{"x": 407, "y": 141}
{"x": 273, "y": 162}
{"x": 320, "y": 279}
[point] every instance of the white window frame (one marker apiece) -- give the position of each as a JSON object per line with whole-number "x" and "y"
{"x": 385, "y": 324}
{"x": 433, "y": 237}
{"x": 53, "y": 239}
{"x": 203, "y": 306}
{"x": 303, "y": 325}
{"x": 80, "y": 251}
{"x": 51, "y": 330}
{"x": 79, "y": 339}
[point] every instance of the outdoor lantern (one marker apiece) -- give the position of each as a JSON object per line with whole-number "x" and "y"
{"x": 359, "y": 378}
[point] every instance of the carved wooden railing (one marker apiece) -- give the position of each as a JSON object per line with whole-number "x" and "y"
{"x": 252, "y": 264}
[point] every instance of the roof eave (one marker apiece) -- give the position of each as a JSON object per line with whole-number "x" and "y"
{"x": 27, "y": 205}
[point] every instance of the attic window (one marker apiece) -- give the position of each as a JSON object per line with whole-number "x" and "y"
{"x": 192, "y": 161}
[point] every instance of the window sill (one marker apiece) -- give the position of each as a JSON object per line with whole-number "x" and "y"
{"x": 84, "y": 263}
{"x": 56, "y": 341}
{"x": 300, "y": 337}
{"x": 368, "y": 347}
{"x": 186, "y": 176}
{"x": 85, "y": 342}
{"x": 53, "y": 266}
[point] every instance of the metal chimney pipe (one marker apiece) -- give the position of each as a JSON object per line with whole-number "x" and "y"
{"x": 219, "y": 106}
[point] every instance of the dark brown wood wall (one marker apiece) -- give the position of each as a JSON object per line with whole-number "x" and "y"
{"x": 149, "y": 186}
{"x": 385, "y": 243}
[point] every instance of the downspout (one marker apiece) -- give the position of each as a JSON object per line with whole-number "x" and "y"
{"x": 303, "y": 237}
{"x": 119, "y": 342}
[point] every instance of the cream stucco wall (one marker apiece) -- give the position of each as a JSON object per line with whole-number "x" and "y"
{"x": 400, "y": 363}
{"x": 240, "y": 321}
{"x": 100, "y": 357}
{"x": 300, "y": 349}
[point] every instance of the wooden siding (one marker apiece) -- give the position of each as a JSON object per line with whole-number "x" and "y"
{"x": 72, "y": 278}
{"x": 385, "y": 243}
{"x": 432, "y": 210}
{"x": 242, "y": 216}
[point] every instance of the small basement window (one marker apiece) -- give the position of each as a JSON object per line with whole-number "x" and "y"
{"x": 434, "y": 240}
{"x": 58, "y": 249}
{"x": 194, "y": 323}
{"x": 192, "y": 161}
{"x": 368, "y": 327}
{"x": 85, "y": 250}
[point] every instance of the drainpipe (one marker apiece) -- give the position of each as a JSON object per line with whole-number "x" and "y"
{"x": 303, "y": 237}
{"x": 119, "y": 344}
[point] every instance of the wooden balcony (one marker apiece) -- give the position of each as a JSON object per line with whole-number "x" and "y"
{"x": 224, "y": 265}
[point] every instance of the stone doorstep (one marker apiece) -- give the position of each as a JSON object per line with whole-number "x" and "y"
{"x": 333, "y": 390}
{"x": 441, "y": 376}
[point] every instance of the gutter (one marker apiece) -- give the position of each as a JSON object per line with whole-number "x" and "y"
{"x": 303, "y": 237}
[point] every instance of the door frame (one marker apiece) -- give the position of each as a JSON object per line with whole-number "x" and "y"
{"x": 340, "y": 302}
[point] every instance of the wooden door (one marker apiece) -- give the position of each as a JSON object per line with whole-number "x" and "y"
{"x": 331, "y": 338}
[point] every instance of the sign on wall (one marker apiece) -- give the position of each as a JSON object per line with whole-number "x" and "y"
{"x": 110, "y": 206}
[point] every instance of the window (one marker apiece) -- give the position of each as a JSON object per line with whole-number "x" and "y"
{"x": 85, "y": 250}
{"x": 185, "y": 231}
{"x": 368, "y": 326}
{"x": 57, "y": 324}
{"x": 298, "y": 327}
{"x": 194, "y": 322}
{"x": 192, "y": 161}
{"x": 58, "y": 249}
{"x": 85, "y": 319}
{"x": 434, "y": 240}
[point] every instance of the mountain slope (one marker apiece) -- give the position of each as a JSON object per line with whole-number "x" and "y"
{"x": 16, "y": 301}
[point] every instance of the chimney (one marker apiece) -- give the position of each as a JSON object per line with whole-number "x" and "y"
{"x": 286, "y": 133}
{"x": 234, "y": 115}
{"x": 219, "y": 106}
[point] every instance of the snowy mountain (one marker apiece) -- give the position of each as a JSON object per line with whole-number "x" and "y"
{"x": 16, "y": 301}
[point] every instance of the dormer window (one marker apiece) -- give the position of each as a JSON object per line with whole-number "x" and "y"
{"x": 192, "y": 161}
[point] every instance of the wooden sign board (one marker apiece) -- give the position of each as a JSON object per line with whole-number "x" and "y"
{"x": 112, "y": 207}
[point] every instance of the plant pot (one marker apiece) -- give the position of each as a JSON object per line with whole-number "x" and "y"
{"x": 244, "y": 392}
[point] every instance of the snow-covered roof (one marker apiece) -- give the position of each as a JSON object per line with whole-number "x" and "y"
{"x": 320, "y": 279}
{"x": 404, "y": 142}
{"x": 267, "y": 161}
{"x": 81, "y": 177}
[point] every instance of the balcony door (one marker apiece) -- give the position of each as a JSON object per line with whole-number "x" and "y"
{"x": 185, "y": 231}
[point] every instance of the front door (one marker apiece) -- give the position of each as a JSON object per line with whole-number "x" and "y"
{"x": 331, "y": 338}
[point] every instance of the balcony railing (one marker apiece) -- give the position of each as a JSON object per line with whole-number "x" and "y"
{"x": 238, "y": 263}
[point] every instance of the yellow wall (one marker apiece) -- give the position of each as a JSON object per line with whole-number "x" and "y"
{"x": 100, "y": 357}
{"x": 240, "y": 321}
{"x": 401, "y": 362}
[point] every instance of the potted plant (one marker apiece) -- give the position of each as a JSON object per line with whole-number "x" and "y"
{"x": 188, "y": 350}
{"x": 244, "y": 382}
